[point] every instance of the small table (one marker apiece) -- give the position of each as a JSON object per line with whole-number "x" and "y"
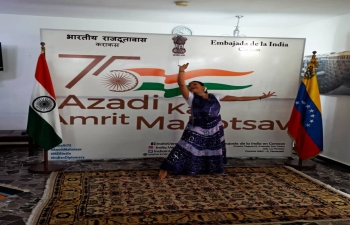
{"x": 19, "y": 136}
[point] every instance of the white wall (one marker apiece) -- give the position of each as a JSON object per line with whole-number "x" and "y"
{"x": 331, "y": 35}
{"x": 20, "y": 38}
{"x": 324, "y": 36}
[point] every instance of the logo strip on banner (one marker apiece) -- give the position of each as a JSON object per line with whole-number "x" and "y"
{"x": 172, "y": 79}
{"x": 155, "y": 72}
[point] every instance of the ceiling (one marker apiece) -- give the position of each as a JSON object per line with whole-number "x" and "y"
{"x": 257, "y": 13}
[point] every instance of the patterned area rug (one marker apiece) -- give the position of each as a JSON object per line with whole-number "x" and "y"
{"x": 242, "y": 195}
{"x": 7, "y": 190}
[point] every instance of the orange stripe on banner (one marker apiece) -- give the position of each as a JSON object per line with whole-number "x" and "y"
{"x": 205, "y": 73}
{"x": 169, "y": 79}
{"x": 148, "y": 71}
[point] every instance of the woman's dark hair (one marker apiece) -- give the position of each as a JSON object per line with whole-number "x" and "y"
{"x": 205, "y": 90}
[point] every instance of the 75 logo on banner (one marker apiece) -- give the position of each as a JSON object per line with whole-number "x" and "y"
{"x": 96, "y": 60}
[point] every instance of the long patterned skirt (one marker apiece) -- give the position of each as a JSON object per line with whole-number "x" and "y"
{"x": 201, "y": 149}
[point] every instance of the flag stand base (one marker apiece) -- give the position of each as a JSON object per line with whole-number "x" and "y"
{"x": 45, "y": 168}
{"x": 300, "y": 164}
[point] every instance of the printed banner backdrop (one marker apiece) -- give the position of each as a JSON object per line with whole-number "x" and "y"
{"x": 118, "y": 97}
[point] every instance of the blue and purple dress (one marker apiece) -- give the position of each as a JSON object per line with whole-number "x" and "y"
{"x": 201, "y": 149}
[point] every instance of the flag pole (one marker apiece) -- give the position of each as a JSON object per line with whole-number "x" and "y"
{"x": 46, "y": 155}
{"x": 45, "y": 167}
{"x": 299, "y": 163}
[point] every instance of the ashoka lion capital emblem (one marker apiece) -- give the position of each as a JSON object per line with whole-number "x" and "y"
{"x": 179, "y": 49}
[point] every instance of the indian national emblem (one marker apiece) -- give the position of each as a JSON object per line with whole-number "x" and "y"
{"x": 179, "y": 49}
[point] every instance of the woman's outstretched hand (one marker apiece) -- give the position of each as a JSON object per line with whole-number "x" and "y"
{"x": 183, "y": 67}
{"x": 268, "y": 95}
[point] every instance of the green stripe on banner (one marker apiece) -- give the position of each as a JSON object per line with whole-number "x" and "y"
{"x": 151, "y": 86}
{"x": 173, "y": 92}
{"x": 216, "y": 86}
{"x": 41, "y": 131}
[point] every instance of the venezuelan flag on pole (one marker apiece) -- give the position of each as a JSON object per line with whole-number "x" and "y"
{"x": 305, "y": 123}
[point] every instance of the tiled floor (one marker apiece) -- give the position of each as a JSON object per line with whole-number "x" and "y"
{"x": 14, "y": 163}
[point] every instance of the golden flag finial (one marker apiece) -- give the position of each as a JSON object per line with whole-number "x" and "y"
{"x": 42, "y": 47}
{"x": 311, "y": 68}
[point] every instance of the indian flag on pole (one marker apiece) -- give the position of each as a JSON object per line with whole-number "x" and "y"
{"x": 43, "y": 119}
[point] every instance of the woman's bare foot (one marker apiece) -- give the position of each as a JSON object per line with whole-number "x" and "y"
{"x": 162, "y": 174}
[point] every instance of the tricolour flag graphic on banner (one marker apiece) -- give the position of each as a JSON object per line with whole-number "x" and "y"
{"x": 43, "y": 119}
{"x": 305, "y": 124}
{"x": 172, "y": 79}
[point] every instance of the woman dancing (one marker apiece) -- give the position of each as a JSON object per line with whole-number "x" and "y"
{"x": 201, "y": 149}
